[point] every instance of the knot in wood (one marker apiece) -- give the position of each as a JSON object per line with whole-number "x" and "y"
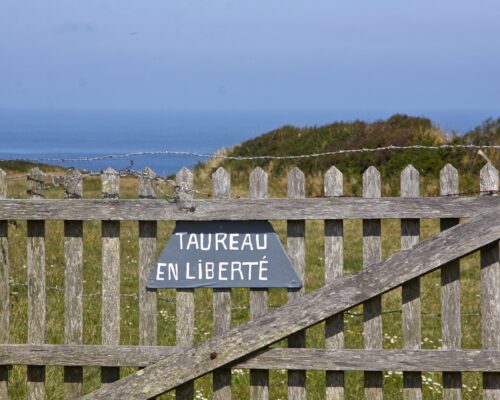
{"x": 213, "y": 355}
{"x": 187, "y": 207}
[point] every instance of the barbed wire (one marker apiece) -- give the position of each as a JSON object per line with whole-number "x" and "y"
{"x": 221, "y": 154}
{"x": 58, "y": 180}
{"x": 53, "y": 181}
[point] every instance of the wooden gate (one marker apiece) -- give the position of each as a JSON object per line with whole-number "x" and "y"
{"x": 249, "y": 345}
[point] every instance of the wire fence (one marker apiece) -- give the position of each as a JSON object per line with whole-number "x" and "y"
{"x": 171, "y": 300}
{"x": 57, "y": 180}
{"x": 54, "y": 181}
{"x": 224, "y": 156}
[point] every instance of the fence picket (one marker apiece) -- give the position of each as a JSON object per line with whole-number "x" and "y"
{"x": 185, "y": 297}
{"x": 147, "y": 257}
{"x": 110, "y": 308}
{"x": 4, "y": 289}
{"x": 372, "y": 253}
{"x": 73, "y": 285}
{"x": 297, "y": 253}
{"x": 490, "y": 290}
{"x": 334, "y": 265}
{"x": 221, "y": 188}
{"x": 410, "y": 236}
{"x": 259, "y": 379}
{"x": 36, "y": 287}
{"x": 450, "y": 292}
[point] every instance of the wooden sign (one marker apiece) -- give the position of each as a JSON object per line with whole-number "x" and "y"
{"x": 224, "y": 254}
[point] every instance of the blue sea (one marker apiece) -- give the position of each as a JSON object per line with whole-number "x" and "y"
{"x": 38, "y": 134}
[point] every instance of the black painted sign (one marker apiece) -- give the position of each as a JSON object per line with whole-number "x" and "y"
{"x": 224, "y": 254}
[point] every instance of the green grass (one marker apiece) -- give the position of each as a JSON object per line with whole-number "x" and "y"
{"x": 203, "y": 299}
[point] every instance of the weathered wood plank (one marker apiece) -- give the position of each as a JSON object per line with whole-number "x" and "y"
{"x": 221, "y": 188}
{"x": 278, "y": 358}
{"x": 3, "y": 184}
{"x": 375, "y": 360}
{"x": 372, "y": 309}
{"x": 334, "y": 268}
{"x": 4, "y": 288}
{"x": 185, "y": 297}
{"x": 245, "y": 209}
{"x": 86, "y": 355}
{"x": 450, "y": 292}
{"x": 490, "y": 290}
{"x": 298, "y": 314}
{"x": 110, "y": 308}
{"x": 73, "y": 285}
{"x": 410, "y": 236}
{"x": 296, "y": 231}
{"x": 36, "y": 287}
{"x": 147, "y": 257}
{"x": 259, "y": 378}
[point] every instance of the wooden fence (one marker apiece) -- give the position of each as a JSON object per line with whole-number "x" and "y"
{"x": 247, "y": 346}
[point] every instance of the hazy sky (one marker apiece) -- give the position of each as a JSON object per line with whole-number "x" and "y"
{"x": 350, "y": 54}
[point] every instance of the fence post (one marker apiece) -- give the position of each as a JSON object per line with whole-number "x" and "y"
{"x": 221, "y": 188}
{"x": 450, "y": 292}
{"x": 410, "y": 236}
{"x": 372, "y": 310}
{"x": 259, "y": 379}
{"x": 110, "y": 308}
{"x": 4, "y": 289}
{"x": 297, "y": 252}
{"x": 36, "y": 286}
{"x": 334, "y": 265}
{"x": 490, "y": 290}
{"x": 73, "y": 285}
{"x": 185, "y": 297}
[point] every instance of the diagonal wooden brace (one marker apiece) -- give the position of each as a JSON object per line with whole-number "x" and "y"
{"x": 345, "y": 293}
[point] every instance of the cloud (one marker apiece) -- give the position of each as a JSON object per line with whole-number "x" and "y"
{"x": 72, "y": 27}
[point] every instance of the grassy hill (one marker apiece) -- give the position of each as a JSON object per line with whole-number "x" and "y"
{"x": 19, "y": 166}
{"x": 398, "y": 130}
